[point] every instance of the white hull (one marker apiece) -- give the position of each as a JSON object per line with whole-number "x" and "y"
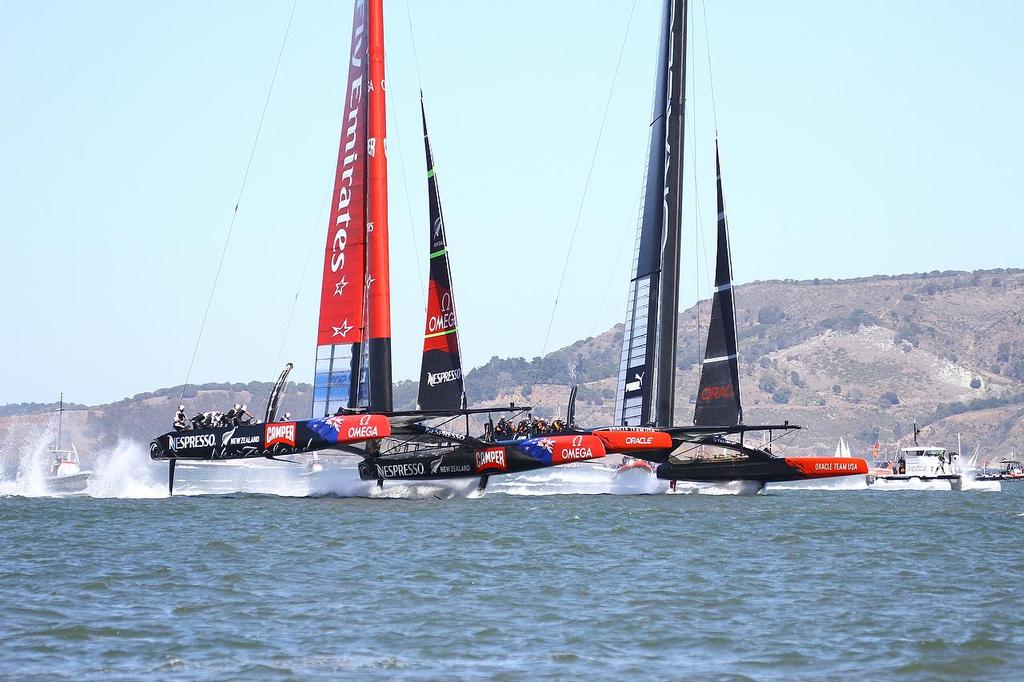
{"x": 72, "y": 483}
{"x": 909, "y": 482}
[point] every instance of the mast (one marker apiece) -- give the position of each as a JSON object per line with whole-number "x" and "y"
{"x": 378, "y": 277}
{"x": 718, "y": 398}
{"x": 353, "y": 357}
{"x": 646, "y": 385}
{"x": 441, "y": 383}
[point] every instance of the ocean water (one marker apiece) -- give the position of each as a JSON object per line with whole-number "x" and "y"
{"x": 533, "y": 580}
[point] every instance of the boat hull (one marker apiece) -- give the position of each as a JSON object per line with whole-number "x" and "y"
{"x": 954, "y": 481}
{"x": 72, "y": 483}
{"x": 762, "y": 469}
{"x": 269, "y": 440}
{"x": 503, "y": 457}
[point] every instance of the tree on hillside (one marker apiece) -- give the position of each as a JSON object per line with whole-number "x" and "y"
{"x": 888, "y": 399}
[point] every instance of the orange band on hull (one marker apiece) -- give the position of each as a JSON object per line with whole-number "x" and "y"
{"x": 827, "y": 467}
{"x": 632, "y": 441}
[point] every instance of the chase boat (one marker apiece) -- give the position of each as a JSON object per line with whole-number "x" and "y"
{"x": 924, "y": 464}
{"x": 66, "y": 474}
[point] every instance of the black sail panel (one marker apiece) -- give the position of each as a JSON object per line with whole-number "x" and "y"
{"x": 646, "y": 377}
{"x": 441, "y": 385}
{"x": 718, "y": 400}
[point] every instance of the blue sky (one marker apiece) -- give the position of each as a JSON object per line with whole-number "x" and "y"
{"x": 858, "y": 138}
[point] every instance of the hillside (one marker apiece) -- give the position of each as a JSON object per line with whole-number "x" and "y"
{"x": 859, "y": 358}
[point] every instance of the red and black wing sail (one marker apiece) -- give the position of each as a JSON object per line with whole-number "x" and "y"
{"x": 342, "y": 327}
{"x": 718, "y": 400}
{"x": 353, "y": 355}
{"x": 441, "y": 386}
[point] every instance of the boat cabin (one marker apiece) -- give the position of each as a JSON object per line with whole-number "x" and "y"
{"x": 918, "y": 460}
{"x": 65, "y": 462}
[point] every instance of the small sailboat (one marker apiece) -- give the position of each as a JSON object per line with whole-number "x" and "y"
{"x": 645, "y": 396}
{"x": 842, "y": 448}
{"x": 66, "y": 474}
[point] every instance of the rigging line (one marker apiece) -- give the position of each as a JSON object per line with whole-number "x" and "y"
{"x": 415, "y": 54}
{"x": 305, "y": 266}
{"x": 700, "y": 244}
{"x": 405, "y": 184}
{"x": 711, "y": 79}
{"x": 590, "y": 174}
{"x": 631, "y": 228}
{"x": 238, "y": 201}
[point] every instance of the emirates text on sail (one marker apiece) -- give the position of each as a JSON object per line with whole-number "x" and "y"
{"x": 351, "y": 154}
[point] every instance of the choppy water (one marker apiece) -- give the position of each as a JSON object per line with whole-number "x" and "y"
{"x": 520, "y": 583}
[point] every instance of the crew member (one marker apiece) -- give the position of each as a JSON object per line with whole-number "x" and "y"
{"x": 231, "y": 416}
{"x": 180, "y": 420}
{"x": 503, "y": 429}
{"x": 243, "y": 416}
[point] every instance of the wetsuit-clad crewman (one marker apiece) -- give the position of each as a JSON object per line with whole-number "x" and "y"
{"x": 243, "y": 415}
{"x": 231, "y": 416}
{"x": 180, "y": 420}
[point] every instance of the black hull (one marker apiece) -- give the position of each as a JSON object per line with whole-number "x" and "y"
{"x": 464, "y": 461}
{"x": 763, "y": 470}
{"x": 277, "y": 439}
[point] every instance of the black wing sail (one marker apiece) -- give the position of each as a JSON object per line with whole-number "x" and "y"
{"x": 441, "y": 386}
{"x": 646, "y": 381}
{"x": 718, "y": 400}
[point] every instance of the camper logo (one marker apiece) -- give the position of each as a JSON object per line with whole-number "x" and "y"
{"x": 491, "y": 459}
{"x": 283, "y": 434}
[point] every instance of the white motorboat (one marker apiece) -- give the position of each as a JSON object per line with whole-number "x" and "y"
{"x": 924, "y": 466}
{"x": 66, "y": 474}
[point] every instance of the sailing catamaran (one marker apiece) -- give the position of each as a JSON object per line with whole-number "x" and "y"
{"x": 645, "y": 396}
{"x": 352, "y": 388}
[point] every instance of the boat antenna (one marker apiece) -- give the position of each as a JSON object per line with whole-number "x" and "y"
{"x": 238, "y": 201}
{"x": 916, "y": 432}
{"x": 60, "y": 416}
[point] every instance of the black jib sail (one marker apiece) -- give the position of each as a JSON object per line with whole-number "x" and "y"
{"x": 441, "y": 386}
{"x": 718, "y": 400}
{"x": 646, "y": 382}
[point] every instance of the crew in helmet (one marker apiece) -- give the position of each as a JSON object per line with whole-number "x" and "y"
{"x": 231, "y": 416}
{"x": 180, "y": 420}
{"x": 243, "y": 415}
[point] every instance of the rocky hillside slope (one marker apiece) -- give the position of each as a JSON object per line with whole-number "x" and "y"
{"x": 862, "y": 358}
